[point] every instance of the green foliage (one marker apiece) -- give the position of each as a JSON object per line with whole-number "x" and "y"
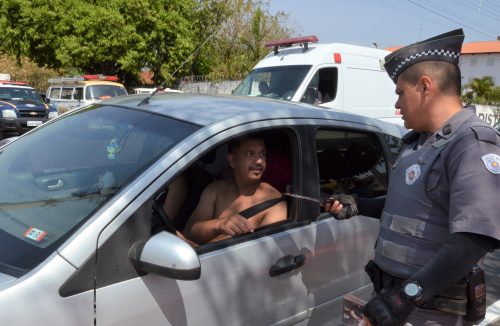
{"x": 123, "y": 38}
{"x": 239, "y": 45}
{"x": 481, "y": 91}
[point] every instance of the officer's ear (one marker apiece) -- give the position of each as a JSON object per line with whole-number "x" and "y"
{"x": 426, "y": 84}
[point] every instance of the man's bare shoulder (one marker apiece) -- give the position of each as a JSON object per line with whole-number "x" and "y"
{"x": 269, "y": 190}
{"x": 219, "y": 186}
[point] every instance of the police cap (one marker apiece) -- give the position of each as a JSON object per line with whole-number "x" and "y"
{"x": 444, "y": 47}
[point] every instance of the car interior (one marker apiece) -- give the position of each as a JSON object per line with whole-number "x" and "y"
{"x": 188, "y": 186}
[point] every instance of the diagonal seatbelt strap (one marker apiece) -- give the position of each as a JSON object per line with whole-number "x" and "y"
{"x": 256, "y": 209}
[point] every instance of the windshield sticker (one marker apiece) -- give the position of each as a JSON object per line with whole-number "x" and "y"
{"x": 113, "y": 149}
{"x": 35, "y": 234}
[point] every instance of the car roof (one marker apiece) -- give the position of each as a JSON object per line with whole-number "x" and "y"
{"x": 205, "y": 109}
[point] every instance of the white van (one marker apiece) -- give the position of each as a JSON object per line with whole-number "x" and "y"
{"x": 338, "y": 76}
{"x": 69, "y": 92}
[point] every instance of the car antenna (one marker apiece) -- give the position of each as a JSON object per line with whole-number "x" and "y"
{"x": 146, "y": 99}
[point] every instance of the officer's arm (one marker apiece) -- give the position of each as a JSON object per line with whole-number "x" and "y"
{"x": 458, "y": 255}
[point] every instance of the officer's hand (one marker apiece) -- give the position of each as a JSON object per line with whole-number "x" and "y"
{"x": 348, "y": 206}
{"x": 389, "y": 308}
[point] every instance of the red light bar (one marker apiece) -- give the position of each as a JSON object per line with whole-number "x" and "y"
{"x": 8, "y": 82}
{"x": 100, "y": 77}
{"x": 337, "y": 58}
{"x": 291, "y": 41}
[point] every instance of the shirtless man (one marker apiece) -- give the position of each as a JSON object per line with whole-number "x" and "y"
{"x": 216, "y": 216}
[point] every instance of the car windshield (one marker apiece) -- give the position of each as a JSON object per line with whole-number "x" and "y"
{"x": 275, "y": 82}
{"x": 102, "y": 92}
{"x": 53, "y": 179}
{"x": 20, "y": 94}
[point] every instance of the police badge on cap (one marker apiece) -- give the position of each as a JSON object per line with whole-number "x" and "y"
{"x": 444, "y": 47}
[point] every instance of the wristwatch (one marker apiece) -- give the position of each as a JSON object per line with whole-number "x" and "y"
{"x": 413, "y": 291}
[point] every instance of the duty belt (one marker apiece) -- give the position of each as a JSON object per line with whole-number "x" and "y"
{"x": 452, "y": 300}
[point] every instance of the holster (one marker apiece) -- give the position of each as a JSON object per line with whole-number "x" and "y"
{"x": 375, "y": 275}
{"x": 466, "y": 298}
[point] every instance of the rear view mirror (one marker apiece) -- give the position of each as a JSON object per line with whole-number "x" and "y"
{"x": 166, "y": 255}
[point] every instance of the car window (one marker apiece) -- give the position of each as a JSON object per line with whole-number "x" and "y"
{"x": 55, "y": 92}
{"x": 101, "y": 92}
{"x": 394, "y": 144}
{"x": 351, "y": 162}
{"x": 186, "y": 190}
{"x": 55, "y": 178}
{"x": 282, "y": 82}
{"x": 67, "y": 93}
{"x": 322, "y": 88}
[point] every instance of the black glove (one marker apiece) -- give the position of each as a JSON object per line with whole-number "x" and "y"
{"x": 349, "y": 203}
{"x": 389, "y": 308}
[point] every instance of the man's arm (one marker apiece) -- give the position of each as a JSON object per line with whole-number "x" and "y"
{"x": 203, "y": 226}
{"x": 275, "y": 214}
{"x": 196, "y": 227}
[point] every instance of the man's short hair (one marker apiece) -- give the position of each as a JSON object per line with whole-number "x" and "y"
{"x": 445, "y": 74}
{"x": 234, "y": 144}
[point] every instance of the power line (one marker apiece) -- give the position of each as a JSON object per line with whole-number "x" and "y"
{"x": 452, "y": 20}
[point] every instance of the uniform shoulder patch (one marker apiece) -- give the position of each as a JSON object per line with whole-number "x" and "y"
{"x": 492, "y": 162}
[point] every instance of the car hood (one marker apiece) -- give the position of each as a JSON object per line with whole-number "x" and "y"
{"x": 28, "y": 105}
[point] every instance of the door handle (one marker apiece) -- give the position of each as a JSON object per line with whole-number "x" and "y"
{"x": 56, "y": 186}
{"x": 286, "y": 264}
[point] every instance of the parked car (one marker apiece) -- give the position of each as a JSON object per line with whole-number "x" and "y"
{"x": 22, "y": 108}
{"x": 81, "y": 198}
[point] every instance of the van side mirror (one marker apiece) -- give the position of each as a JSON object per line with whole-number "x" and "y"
{"x": 166, "y": 255}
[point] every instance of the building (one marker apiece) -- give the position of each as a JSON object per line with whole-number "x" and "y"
{"x": 478, "y": 59}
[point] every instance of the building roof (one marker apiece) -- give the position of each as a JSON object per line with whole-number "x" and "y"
{"x": 470, "y": 48}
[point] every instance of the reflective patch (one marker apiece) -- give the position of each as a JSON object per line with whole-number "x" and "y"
{"x": 412, "y": 174}
{"x": 492, "y": 163}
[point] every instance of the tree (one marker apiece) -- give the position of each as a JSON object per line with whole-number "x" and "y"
{"x": 479, "y": 91}
{"x": 103, "y": 36}
{"x": 239, "y": 45}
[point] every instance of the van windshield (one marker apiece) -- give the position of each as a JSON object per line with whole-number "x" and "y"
{"x": 54, "y": 179}
{"x": 102, "y": 92}
{"x": 275, "y": 82}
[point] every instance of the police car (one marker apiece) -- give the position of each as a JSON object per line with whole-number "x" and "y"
{"x": 66, "y": 93}
{"x": 21, "y": 108}
{"x": 81, "y": 197}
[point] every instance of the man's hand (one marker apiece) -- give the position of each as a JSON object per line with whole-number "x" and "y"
{"x": 342, "y": 206}
{"x": 389, "y": 308}
{"x": 234, "y": 225}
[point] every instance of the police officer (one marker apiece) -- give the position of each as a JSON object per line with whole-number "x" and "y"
{"x": 441, "y": 215}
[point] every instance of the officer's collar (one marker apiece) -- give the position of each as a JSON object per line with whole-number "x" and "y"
{"x": 453, "y": 123}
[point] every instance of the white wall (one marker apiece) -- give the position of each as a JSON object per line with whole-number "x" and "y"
{"x": 480, "y": 65}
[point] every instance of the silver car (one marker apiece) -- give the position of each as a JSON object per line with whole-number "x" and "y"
{"x": 85, "y": 238}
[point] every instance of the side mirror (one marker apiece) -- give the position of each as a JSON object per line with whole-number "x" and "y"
{"x": 166, "y": 255}
{"x": 46, "y": 100}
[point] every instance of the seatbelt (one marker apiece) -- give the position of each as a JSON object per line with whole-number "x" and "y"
{"x": 257, "y": 208}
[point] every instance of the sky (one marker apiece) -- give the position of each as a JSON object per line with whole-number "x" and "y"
{"x": 387, "y": 23}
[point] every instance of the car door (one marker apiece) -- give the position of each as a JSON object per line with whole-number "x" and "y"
{"x": 318, "y": 259}
{"x": 235, "y": 286}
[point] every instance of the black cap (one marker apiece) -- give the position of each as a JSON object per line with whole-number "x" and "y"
{"x": 444, "y": 47}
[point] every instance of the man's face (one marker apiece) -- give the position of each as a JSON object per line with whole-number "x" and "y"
{"x": 249, "y": 160}
{"x": 410, "y": 104}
